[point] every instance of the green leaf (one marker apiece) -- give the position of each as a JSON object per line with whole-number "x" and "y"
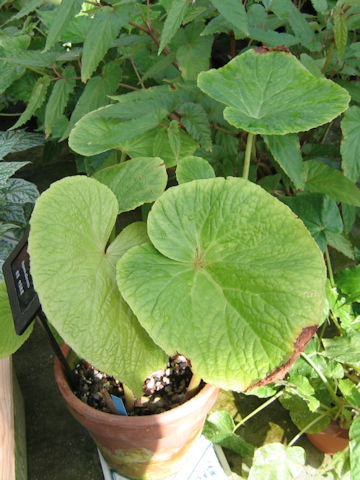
{"x": 59, "y": 98}
{"x": 348, "y": 280}
{"x": 349, "y": 217}
{"x": 110, "y": 126}
{"x": 350, "y": 145}
{"x": 219, "y": 428}
{"x": 341, "y": 243}
{"x": 173, "y": 21}
{"x": 9, "y": 340}
{"x": 274, "y": 461}
{"x": 263, "y": 392}
{"x": 319, "y": 213}
{"x": 37, "y": 98}
{"x": 349, "y": 391}
{"x": 219, "y": 24}
{"x": 105, "y": 28}
{"x": 354, "y": 436}
{"x": 20, "y": 191}
{"x": 13, "y": 42}
{"x": 156, "y": 143}
{"x": 173, "y": 133}
{"x": 137, "y": 181}
{"x": 272, "y": 93}
{"x": 286, "y": 151}
{"x": 159, "y": 66}
{"x": 6, "y": 227}
{"x": 345, "y": 349}
{"x": 271, "y": 38}
{"x": 301, "y": 415}
{"x": 74, "y": 277}
{"x": 286, "y": 10}
{"x": 95, "y": 94}
{"x": 270, "y": 182}
{"x": 311, "y": 64}
{"x": 9, "y": 74}
{"x": 64, "y": 14}
{"x": 196, "y": 122}
{"x": 340, "y": 31}
{"x": 320, "y": 178}
{"x": 146, "y": 100}
{"x": 261, "y": 273}
{"x": 234, "y": 12}
{"x": 28, "y": 8}
{"x": 161, "y": 147}
{"x": 193, "y": 55}
{"x": 7, "y": 169}
{"x": 193, "y": 168}
{"x": 18, "y": 141}
{"x": 132, "y": 235}
{"x": 352, "y": 87}
{"x": 34, "y": 58}
{"x": 320, "y": 6}
{"x": 76, "y": 30}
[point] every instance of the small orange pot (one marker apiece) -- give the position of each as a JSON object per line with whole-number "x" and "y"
{"x": 331, "y": 440}
{"x": 145, "y": 447}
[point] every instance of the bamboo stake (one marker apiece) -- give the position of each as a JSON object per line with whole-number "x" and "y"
{"x": 7, "y": 427}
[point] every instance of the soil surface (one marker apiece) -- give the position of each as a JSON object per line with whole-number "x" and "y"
{"x": 163, "y": 390}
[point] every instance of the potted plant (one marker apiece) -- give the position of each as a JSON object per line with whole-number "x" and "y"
{"x": 322, "y": 391}
{"x": 219, "y": 263}
{"x": 222, "y": 272}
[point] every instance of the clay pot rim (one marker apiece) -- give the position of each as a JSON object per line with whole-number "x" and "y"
{"x": 334, "y": 429}
{"x": 168, "y": 416}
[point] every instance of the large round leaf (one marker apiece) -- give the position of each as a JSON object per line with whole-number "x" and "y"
{"x": 272, "y": 93}
{"x": 230, "y": 280}
{"x": 74, "y": 275}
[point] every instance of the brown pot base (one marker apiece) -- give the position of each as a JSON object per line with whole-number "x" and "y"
{"x": 331, "y": 440}
{"x": 143, "y": 448}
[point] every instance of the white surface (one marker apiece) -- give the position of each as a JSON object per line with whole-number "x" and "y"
{"x": 208, "y": 463}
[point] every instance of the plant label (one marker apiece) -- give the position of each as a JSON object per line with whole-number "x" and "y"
{"x": 119, "y": 405}
{"x": 23, "y": 299}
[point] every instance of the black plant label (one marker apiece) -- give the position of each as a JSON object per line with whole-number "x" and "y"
{"x": 23, "y": 299}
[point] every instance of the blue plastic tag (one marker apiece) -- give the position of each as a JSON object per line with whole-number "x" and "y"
{"x": 119, "y": 405}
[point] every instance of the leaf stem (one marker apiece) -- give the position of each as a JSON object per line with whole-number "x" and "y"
{"x": 137, "y": 72}
{"x": 323, "y": 378}
{"x": 123, "y": 156}
{"x": 329, "y": 267}
{"x": 221, "y": 129}
{"x": 305, "y": 429}
{"x": 249, "y": 144}
{"x": 130, "y": 87}
{"x": 328, "y": 58}
{"x": 129, "y": 398}
{"x": 258, "y": 409}
{"x": 192, "y": 387}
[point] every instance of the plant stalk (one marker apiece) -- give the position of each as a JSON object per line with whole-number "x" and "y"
{"x": 129, "y": 398}
{"x": 323, "y": 378}
{"x": 329, "y": 268}
{"x": 328, "y": 57}
{"x": 305, "y": 429}
{"x": 258, "y": 409}
{"x": 192, "y": 387}
{"x": 249, "y": 144}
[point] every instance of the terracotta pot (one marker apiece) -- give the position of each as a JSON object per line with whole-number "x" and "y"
{"x": 331, "y": 440}
{"x": 145, "y": 447}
